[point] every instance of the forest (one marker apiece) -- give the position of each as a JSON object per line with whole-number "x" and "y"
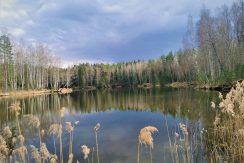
{"x": 212, "y": 52}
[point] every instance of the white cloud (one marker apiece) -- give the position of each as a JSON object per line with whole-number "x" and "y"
{"x": 12, "y": 14}
{"x": 17, "y": 32}
{"x": 112, "y": 8}
{"x": 66, "y": 64}
{"x": 30, "y": 22}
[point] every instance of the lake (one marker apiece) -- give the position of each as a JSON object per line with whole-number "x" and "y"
{"x": 122, "y": 114}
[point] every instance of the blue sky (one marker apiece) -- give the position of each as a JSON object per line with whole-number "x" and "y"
{"x": 102, "y": 30}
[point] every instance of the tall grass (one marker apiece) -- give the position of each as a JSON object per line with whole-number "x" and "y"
{"x": 226, "y": 138}
{"x": 17, "y": 151}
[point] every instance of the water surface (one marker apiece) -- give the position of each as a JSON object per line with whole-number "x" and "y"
{"x": 121, "y": 113}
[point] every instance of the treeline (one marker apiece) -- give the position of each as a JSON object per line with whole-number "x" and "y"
{"x": 29, "y": 67}
{"x": 163, "y": 70}
{"x": 213, "y": 52}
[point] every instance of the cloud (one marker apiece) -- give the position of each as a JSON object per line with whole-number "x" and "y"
{"x": 102, "y": 29}
{"x": 17, "y": 32}
{"x": 66, "y": 64}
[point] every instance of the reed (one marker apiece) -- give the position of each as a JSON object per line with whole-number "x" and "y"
{"x": 86, "y": 152}
{"x": 54, "y": 131}
{"x": 70, "y": 130}
{"x": 35, "y": 154}
{"x": 96, "y": 128}
{"x": 145, "y": 137}
{"x": 62, "y": 110}
{"x": 4, "y": 150}
{"x": 225, "y": 139}
{"x": 15, "y": 107}
{"x": 34, "y": 122}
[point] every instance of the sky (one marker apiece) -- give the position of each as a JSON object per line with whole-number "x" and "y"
{"x": 102, "y": 30}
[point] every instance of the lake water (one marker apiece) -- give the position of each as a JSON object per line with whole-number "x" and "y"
{"x": 121, "y": 113}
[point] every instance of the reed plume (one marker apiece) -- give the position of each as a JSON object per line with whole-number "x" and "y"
{"x": 183, "y": 129}
{"x": 42, "y": 132}
{"x": 96, "y": 128}
{"x": 21, "y": 140}
{"x": 54, "y": 131}
{"x": 145, "y": 137}
{"x": 6, "y": 133}
{"x": 45, "y": 155}
{"x": 21, "y": 152}
{"x": 35, "y": 123}
{"x": 35, "y": 154}
{"x": 4, "y": 151}
{"x": 15, "y": 107}
{"x": 54, "y": 158}
{"x": 62, "y": 111}
{"x": 86, "y": 152}
{"x": 213, "y": 105}
{"x": 185, "y": 140}
{"x": 14, "y": 140}
{"x": 71, "y": 157}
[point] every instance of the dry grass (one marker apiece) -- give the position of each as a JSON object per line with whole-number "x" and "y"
{"x": 225, "y": 140}
{"x": 20, "y": 152}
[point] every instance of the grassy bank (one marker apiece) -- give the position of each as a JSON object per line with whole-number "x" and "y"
{"x": 27, "y": 93}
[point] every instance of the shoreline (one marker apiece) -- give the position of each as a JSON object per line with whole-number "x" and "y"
{"x": 195, "y": 85}
{"x": 31, "y": 93}
{"x": 224, "y": 87}
{"x": 25, "y": 93}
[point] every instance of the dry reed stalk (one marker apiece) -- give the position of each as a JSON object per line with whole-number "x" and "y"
{"x": 62, "y": 110}
{"x": 170, "y": 143}
{"x": 54, "y": 131}
{"x": 145, "y": 137}
{"x": 96, "y": 128}
{"x": 70, "y": 129}
{"x": 175, "y": 148}
{"x": 92, "y": 153}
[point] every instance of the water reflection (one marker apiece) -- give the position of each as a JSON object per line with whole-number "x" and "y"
{"x": 122, "y": 113}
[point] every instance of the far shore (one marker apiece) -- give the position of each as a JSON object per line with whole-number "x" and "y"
{"x": 30, "y": 93}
